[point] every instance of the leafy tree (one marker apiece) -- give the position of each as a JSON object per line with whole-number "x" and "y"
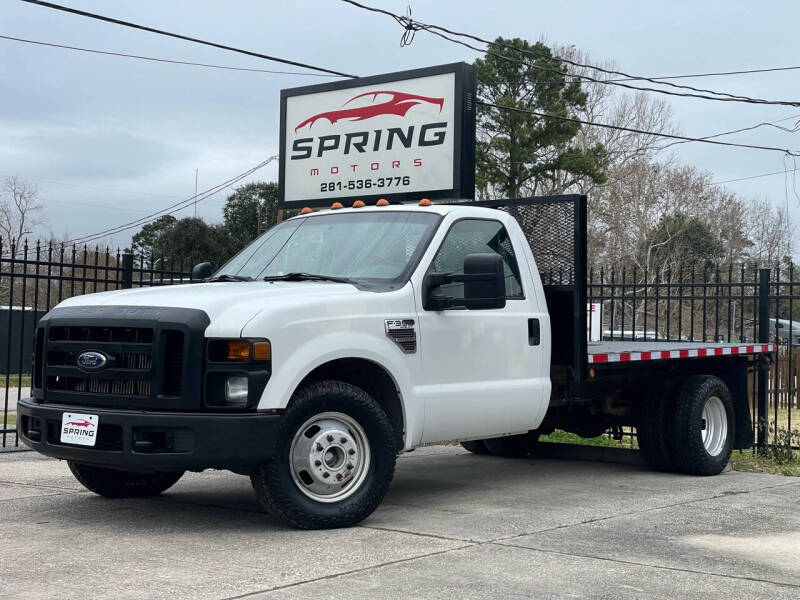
{"x": 148, "y": 242}
{"x": 520, "y": 153}
{"x": 193, "y": 239}
{"x": 680, "y": 239}
{"x": 251, "y": 209}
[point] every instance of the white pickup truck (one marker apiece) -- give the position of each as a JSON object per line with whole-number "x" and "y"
{"x": 341, "y": 338}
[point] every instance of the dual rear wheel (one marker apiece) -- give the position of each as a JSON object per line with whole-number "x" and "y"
{"x": 692, "y": 433}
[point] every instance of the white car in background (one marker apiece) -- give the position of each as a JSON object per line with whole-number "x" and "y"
{"x": 784, "y": 330}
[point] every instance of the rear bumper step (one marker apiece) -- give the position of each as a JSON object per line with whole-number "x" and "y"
{"x": 153, "y": 441}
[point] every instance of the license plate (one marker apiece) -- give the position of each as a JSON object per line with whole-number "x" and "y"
{"x": 79, "y": 429}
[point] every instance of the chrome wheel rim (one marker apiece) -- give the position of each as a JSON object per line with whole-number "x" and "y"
{"x": 714, "y": 430}
{"x": 329, "y": 457}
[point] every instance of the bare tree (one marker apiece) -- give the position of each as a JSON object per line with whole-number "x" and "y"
{"x": 610, "y": 105}
{"x": 20, "y": 209}
{"x": 771, "y": 232}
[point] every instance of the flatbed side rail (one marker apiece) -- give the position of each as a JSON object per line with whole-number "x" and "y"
{"x": 604, "y": 355}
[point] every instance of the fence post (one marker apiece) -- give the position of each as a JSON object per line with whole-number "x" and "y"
{"x": 127, "y": 271}
{"x": 763, "y": 369}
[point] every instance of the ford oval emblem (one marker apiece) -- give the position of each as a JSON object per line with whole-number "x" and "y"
{"x": 91, "y": 361}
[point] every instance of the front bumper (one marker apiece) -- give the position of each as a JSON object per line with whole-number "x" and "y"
{"x": 149, "y": 441}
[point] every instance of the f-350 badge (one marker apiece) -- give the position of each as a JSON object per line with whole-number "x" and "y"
{"x": 402, "y": 332}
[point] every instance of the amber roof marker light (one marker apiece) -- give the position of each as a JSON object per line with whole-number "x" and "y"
{"x": 336, "y": 206}
{"x": 358, "y": 204}
{"x": 305, "y": 210}
{"x": 382, "y": 202}
{"x": 424, "y": 202}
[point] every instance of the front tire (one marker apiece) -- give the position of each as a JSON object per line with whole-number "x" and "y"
{"x": 112, "y": 483}
{"x": 703, "y": 426}
{"x": 333, "y": 460}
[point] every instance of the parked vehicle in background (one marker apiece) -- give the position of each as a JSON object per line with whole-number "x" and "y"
{"x": 785, "y": 330}
{"x": 629, "y": 334}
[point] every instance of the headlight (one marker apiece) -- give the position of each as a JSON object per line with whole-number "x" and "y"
{"x": 241, "y": 351}
{"x": 236, "y": 389}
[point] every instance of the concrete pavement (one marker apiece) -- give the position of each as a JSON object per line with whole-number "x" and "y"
{"x": 453, "y": 525}
{"x": 13, "y": 397}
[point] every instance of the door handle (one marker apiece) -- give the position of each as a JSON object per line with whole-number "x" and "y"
{"x": 534, "y": 332}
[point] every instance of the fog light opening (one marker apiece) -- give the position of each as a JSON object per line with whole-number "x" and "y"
{"x": 236, "y": 390}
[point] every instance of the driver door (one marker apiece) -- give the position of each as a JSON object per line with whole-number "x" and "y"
{"x": 482, "y": 375}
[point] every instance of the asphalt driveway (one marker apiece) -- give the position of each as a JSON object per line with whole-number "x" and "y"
{"x": 453, "y": 526}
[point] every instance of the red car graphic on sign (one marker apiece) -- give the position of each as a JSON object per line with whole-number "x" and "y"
{"x": 81, "y": 423}
{"x": 399, "y": 104}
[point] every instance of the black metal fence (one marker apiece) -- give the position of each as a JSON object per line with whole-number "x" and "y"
{"x": 741, "y": 303}
{"x": 34, "y": 278}
{"x": 736, "y": 303}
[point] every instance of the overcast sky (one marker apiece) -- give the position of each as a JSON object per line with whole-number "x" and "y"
{"x": 110, "y": 139}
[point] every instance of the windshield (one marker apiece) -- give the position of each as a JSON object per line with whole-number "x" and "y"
{"x": 371, "y": 248}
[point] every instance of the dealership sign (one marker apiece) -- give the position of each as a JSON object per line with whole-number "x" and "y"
{"x": 401, "y": 136}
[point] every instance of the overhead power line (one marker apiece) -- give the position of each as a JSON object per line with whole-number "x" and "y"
{"x": 92, "y": 187}
{"x": 720, "y": 74}
{"x": 765, "y": 124}
{"x": 754, "y": 176}
{"x": 633, "y": 130}
{"x": 161, "y": 60}
{"x": 412, "y": 25}
{"x": 170, "y": 209}
{"x": 187, "y": 38}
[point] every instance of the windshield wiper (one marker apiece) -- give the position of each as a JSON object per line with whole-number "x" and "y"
{"x": 295, "y": 276}
{"x": 229, "y": 278}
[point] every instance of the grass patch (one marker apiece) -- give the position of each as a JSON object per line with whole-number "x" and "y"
{"x": 11, "y": 421}
{"x": 14, "y": 381}
{"x": 564, "y": 437}
{"x": 765, "y": 462}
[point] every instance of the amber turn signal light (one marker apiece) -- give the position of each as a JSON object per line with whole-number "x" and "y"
{"x": 262, "y": 351}
{"x": 238, "y": 350}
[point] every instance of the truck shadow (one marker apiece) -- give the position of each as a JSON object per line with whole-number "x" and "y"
{"x": 450, "y": 483}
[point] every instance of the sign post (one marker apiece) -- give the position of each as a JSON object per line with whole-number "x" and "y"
{"x": 400, "y": 136}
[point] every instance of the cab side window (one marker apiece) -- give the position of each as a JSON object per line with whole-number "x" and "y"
{"x": 471, "y": 236}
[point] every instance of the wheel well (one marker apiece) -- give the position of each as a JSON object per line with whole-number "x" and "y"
{"x": 370, "y": 377}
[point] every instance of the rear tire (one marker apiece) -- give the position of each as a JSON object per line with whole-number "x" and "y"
{"x": 653, "y": 432}
{"x": 333, "y": 459}
{"x": 476, "y": 447}
{"x": 112, "y": 483}
{"x": 513, "y": 446}
{"x": 703, "y": 426}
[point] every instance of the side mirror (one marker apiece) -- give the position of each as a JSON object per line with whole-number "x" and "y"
{"x": 484, "y": 285}
{"x": 202, "y": 271}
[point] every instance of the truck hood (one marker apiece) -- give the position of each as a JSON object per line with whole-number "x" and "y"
{"x": 229, "y": 305}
